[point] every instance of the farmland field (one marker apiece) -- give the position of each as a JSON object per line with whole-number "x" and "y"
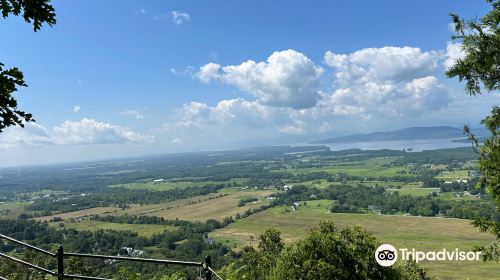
{"x": 178, "y": 184}
{"x": 369, "y": 168}
{"x": 80, "y": 213}
{"x": 454, "y": 175}
{"x": 143, "y": 230}
{"x": 421, "y": 233}
{"x": 217, "y": 208}
{"x": 200, "y": 208}
{"x": 11, "y": 210}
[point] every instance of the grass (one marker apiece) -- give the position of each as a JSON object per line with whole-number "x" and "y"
{"x": 135, "y": 209}
{"x": 451, "y": 196}
{"x": 324, "y": 183}
{"x": 200, "y": 208}
{"x": 80, "y": 213}
{"x": 376, "y": 167}
{"x": 141, "y": 229}
{"x": 421, "y": 233}
{"x": 166, "y": 185}
{"x": 216, "y": 208}
{"x": 453, "y": 175}
{"x": 39, "y": 193}
{"x": 12, "y": 210}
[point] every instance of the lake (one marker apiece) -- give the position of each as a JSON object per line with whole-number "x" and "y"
{"x": 416, "y": 145}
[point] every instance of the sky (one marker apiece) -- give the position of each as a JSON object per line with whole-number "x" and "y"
{"x": 127, "y": 78}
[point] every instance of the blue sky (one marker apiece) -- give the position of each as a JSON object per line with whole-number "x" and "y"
{"x": 120, "y": 78}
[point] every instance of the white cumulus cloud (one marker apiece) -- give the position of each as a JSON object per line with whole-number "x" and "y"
{"x": 85, "y": 131}
{"x": 385, "y": 82}
{"x": 453, "y": 52}
{"x": 31, "y": 134}
{"x": 179, "y": 17}
{"x": 393, "y": 64}
{"x": 90, "y": 131}
{"x": 370, "y": 85}
{"x": 76, "y": 109}
{"x": 232, "y": 111}
{"x": 287, "y": 79}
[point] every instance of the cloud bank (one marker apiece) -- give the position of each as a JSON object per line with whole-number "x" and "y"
{"x": 368, "y": 85}
{"x": 83, "y": 132}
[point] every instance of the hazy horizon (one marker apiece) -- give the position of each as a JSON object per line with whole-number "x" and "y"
{"x": 249, "y": 144}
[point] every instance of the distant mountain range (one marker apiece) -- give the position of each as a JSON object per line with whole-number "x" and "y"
{"x": 411, "y": 133}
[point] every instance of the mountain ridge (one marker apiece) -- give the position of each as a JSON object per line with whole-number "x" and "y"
{"x": 410, "y": 133}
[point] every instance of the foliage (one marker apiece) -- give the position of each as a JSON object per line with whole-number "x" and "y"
{"x": 21, "y": 272}
{"x": 10, "y": 79}
{"x": 479, "y": 41}
{"x": 188, "y": 242}
{"x": 37, "y": 12}
{"x": 244, "y": 201}
{"x": 173, "y": 276}
{"x": 327, "y": 253}
{"x": 480, "y": 68}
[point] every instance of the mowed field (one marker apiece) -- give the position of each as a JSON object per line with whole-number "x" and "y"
{"x": 454, "y": 175}
{"x": 217, "y": 208}
{"x": 134, "y": 209}
{"x": 167, "y": 185}
{"x": 143, "y": 230}
{"x": 200, "y": 208}
{"x": 11, "y": 210}
{"x": 376, "y": 167}
{"x": 80, "y": 213}
{"x": 421, "y": 233}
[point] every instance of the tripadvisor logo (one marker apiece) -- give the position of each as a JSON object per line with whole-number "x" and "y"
{"x": 387, "y": 255}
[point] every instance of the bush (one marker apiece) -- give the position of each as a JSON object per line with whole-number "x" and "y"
{"x": 326, "y": 253}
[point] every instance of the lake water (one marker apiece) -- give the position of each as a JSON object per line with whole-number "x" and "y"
{"x": 416, "y": 145}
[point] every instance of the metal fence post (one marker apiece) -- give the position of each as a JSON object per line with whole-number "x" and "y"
{"x": 208, "y": 272}
{"x": 60, "y": 263}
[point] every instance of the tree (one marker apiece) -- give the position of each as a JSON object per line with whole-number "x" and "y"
{"x": 332, "y": 253}
{"x": 36, "y": 12}
{"x": 257, "y": 264}
{"x": 326, "y": 253}
{"x": 480, "y": 69}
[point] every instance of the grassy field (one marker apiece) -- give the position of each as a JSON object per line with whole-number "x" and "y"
{"x": 144, "y": 230}
{"x": 217, "y": 208}
{"x": 11, "y": 210}
{"x": 421, "y": 233}
{"x": 166, "y": 185}
{"x": 80, "y": 213}
{"x": 134, "y": 209}
{"x": 370, "y": 168}
{"x": 453, "y": 175}
{"x": 199, "y": 208}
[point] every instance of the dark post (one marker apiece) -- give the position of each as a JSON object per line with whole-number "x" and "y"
{"x": 208, "y": 265}
{"x": 60, "y": 263}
